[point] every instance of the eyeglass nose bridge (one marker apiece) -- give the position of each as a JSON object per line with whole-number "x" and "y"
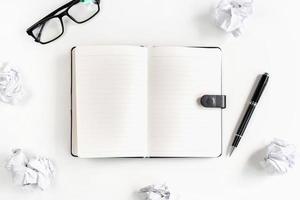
{"x": 65, "y": 13}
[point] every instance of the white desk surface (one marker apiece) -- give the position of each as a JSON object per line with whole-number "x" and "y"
{"x": 41, "y": 124}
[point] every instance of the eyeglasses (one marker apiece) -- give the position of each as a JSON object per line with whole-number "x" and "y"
{"x": 51, "y": 27}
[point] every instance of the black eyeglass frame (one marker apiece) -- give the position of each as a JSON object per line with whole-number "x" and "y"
{"x": 53, "y": 15}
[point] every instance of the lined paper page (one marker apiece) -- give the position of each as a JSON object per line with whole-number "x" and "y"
{"x": 178, "y": 125}
{"x": 111, "y": 103}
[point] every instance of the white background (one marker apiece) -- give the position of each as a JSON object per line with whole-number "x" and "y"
{"x": 41, "y": 123}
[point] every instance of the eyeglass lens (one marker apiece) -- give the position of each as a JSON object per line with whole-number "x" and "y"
{"x": 81, "y": 12}
{"x": 49, "y": 31}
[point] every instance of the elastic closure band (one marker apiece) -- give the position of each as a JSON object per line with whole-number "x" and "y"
{"x": 213, "y": 101}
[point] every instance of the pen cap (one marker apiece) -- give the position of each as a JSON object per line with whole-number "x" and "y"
{"x": 260, "y": 87}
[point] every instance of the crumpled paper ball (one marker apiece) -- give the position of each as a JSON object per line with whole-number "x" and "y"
{"x": 280, "y": 157}
{"x": 156, "y": 192}
{"x": 11, "y": 90}
{"x": 35, "y": 172}
{"x": 230, "y": 15}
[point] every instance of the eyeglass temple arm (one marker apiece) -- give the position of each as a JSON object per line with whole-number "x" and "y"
{"x": 40, "y": 32}
{"x": 71, "y": 3}
{"x": 62, "y": 7}
{"x": 54, "y": 12}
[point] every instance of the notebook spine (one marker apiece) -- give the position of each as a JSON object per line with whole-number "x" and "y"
{"x": 71, "y": 114}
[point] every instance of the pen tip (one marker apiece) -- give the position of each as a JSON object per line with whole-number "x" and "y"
{"x": 232, "y": 149}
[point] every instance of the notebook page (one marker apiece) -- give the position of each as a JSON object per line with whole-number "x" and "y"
{"x": 111, "y": 101}
{"x": 178, "y": 125}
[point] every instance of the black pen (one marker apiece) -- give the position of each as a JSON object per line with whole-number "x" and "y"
{"x": 252, "y": 104}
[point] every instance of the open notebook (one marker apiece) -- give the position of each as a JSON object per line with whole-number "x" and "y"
{"x": 134, "y": 101}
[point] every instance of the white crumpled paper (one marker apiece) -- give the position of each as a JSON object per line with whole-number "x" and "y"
{"x": 36, "y": 172}
{"x": 280, "y": 157}
{"x": 11, "y": 90}
{"x": 230, "y": 15}
{"x": 156, "y": 192}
